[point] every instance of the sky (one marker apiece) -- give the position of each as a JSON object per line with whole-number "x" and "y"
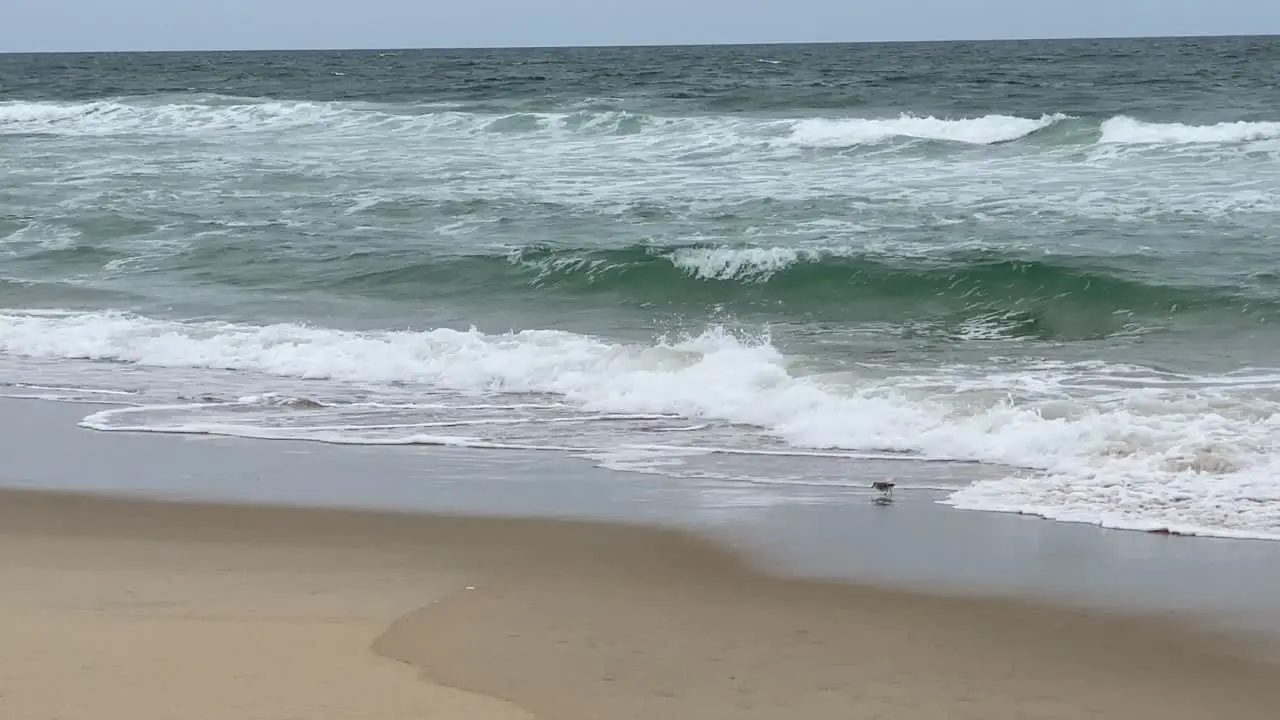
{"x": 98, "y": 25}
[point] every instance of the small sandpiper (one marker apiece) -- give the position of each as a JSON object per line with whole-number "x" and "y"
{"x": 884, "y": 486}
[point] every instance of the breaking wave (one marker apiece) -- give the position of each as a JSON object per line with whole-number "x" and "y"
{"x": 1118, "y": 445}
{"x": 203, "y": 114}
{"x": 1126, "y": 130}
{"x": 986, "y": 130}
{"x": 1037, "y": 298}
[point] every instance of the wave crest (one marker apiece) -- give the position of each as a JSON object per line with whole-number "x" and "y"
{"x": 196, "y": 114}
{"x": 1128, "y": 131}
{"x": 806, "y": 278}
{"x": 986, "y": 130}
{"x": 201, "y": 114}
{"x": 968, "y": 295}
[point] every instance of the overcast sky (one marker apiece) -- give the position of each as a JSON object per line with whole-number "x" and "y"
{"x": 64, "y": 25}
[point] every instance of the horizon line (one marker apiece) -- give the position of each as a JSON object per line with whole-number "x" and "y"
{"x": 445, "y": 48}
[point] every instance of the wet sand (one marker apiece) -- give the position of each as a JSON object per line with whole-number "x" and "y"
{"x": 113, "y": 608}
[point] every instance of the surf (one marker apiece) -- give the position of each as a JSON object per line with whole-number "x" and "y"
{"x": 1104, "y": 448}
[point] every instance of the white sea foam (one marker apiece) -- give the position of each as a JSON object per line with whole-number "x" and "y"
{"x": 581, "y": 133}
{"x": 986, "y": 130}
{"x": 109, "y": 117}
{"x": 203, "y": 115}
{"x": 1126, "y": 130}
{"x": 1100, "y": 443}
{"x": 199, "y": 115}
{"x": 732, "y": 263}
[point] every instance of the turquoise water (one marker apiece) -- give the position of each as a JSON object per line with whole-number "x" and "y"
{"x": 1054, "y": 263}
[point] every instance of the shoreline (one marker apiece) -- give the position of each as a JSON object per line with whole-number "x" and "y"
{"x": 958, "y": 476}
{"x": 557, "y": 618}
{"x": 812, "y": 532}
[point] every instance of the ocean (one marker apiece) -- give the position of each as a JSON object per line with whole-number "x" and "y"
{"x": 1041, "y": 277}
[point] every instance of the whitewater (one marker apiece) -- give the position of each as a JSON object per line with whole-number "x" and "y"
{"x": 1079, "y": 441}
{"x": 197, "y": 115}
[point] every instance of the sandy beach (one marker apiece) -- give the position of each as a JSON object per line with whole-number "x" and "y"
{"x": 114, "y": 609}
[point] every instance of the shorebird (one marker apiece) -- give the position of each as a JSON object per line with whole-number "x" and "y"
{"x": 884, "y": 486}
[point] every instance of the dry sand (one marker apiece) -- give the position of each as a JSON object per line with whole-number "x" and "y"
{"x": 126, "y": 610}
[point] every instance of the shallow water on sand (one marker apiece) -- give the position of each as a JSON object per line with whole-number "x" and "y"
{"x": 843, "y": 533}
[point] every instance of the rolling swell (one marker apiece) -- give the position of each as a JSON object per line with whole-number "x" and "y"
{"x": 1055, "y": 298}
